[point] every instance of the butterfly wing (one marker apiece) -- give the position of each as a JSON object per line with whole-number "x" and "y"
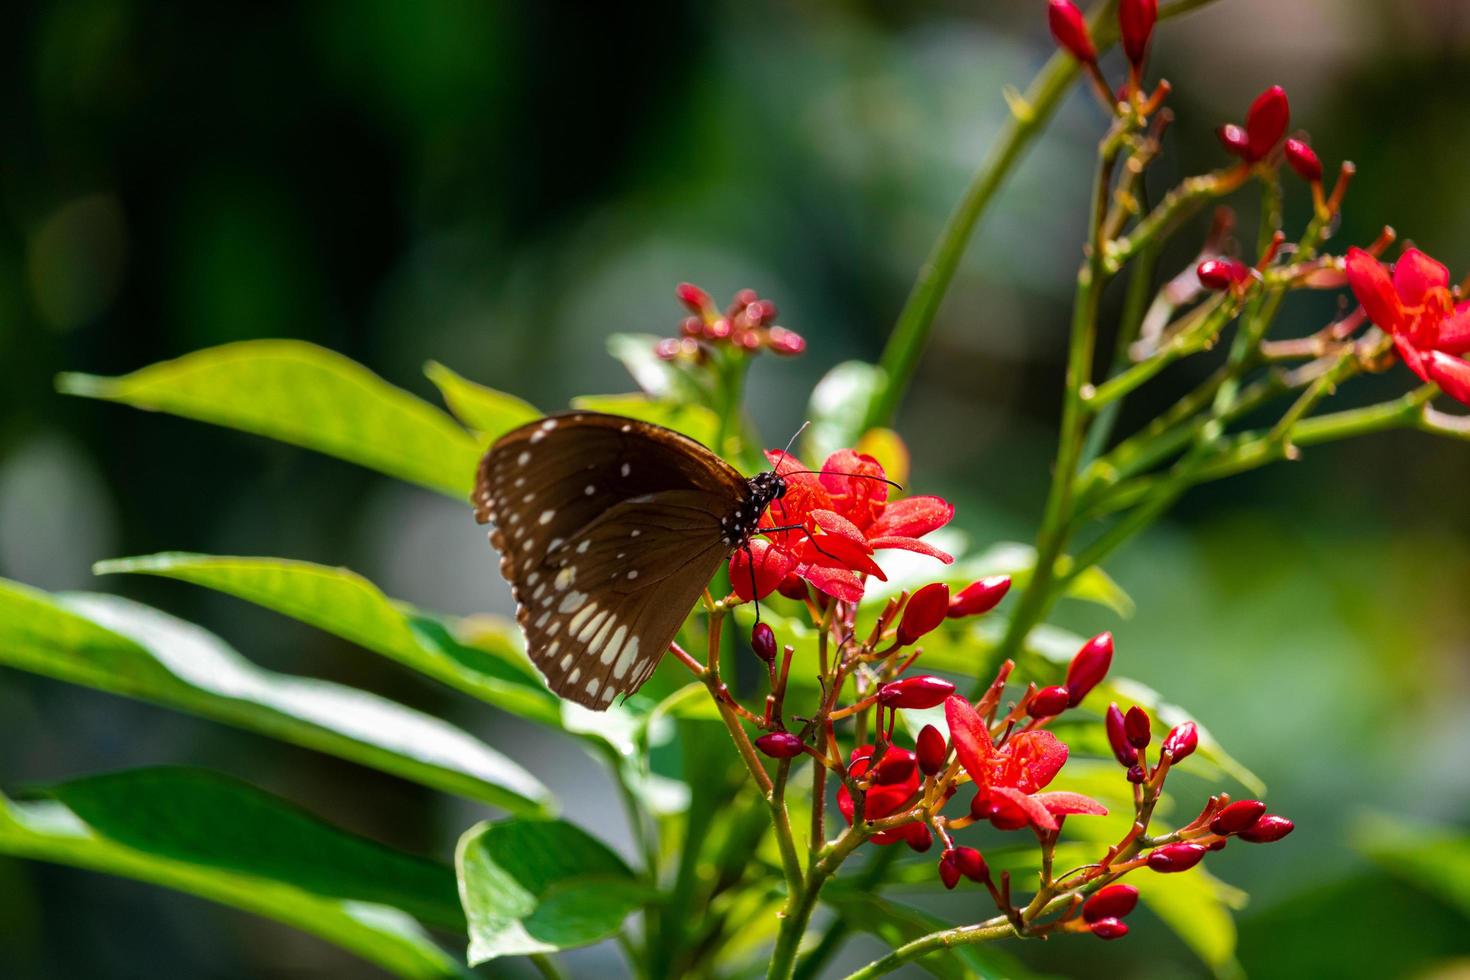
{"x": 608, "y": 531}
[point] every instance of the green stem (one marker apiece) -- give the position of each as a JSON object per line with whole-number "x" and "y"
{"x": 1190, "y": 338}
{"x": 1135, "y": 308}
{"x": 546, "y": 966}
{"x": 800, "y": 905}
{"x": 867, "y": 881}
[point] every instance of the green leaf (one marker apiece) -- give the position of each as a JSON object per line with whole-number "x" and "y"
{"x": 344, "y": 603}
{"x": 838, "y": 406}
{"x": 695, "y": 421}
{"x": 212, "y": 820}
{"x": 1196, "y": 906}
{"x": 124, "y": 647}
{"x": 305, "y": 395}
{"x": 1436, "y": 859}
{"x": 660, "y": 378}
{"x": 489, "y": 412}
{"x": 387, "y": 936}
{"x": 537, "y": 886}
{"x": 896, "y": 924}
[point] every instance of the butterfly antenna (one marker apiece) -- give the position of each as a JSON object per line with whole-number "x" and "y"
{"x": 855, "y": 476}
{"x": 785, "y": 455}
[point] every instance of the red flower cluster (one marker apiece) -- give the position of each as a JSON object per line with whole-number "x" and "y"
{"x": 746, "y": 324}
{"x": 832, "y": 523}
{"x": 1417, "y": 308}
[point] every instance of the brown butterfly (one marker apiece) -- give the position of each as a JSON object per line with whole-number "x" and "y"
{"x": 608, "y": 530}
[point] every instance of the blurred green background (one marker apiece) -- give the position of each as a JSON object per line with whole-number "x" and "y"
{"x": 499, "y": 186}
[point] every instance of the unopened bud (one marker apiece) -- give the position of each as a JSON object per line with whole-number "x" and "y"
{"x": 1181, "y": 741}
{"x": 1089, "y": 667}
{"x": 1048, "y": 702}
{"x": 1069, "y": 28}
{"x": 949, "y": 870}
{"x": 1137, "y": 727}
{"x": 896, "y": 766}
{"x": 1234, "y": 139}
{"x": 779, "y": 745}
{"x": 696, "y": 299}
{"x": 1136, "y": 774}
{"x": 763, "y": 642}
{"x": 1268, "y": 829}
{"x": 1236, "y": 817}
{"x": 979, "y": 597}
{"x": 1218, "y": 844}
{"x": 925, "y": 691}
{"x": 931, "y": 750}
{"x": 793, "y": 586}
{"x": 1303, "y": 159}
{"x": 1109, "y": 928}
{"x": 918, "y": 837}
{"x": 1172, "y": 858}
{"x": 1112, "y": 902}
{"x": 1265, "y": 122}
{"x": 924, "y": 611}
{"x": 1222, "y": 274}
{"x": 970, "y": 862}
{"x": 1136, "y": 23}
{"x": 786, "y": 342}
{"x": 1116, "y": 727}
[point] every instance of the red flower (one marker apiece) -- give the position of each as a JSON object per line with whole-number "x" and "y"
{"x": 885, "y": 798}
{"x": 1009, "y": 779}
{"x": 1415, "y": 307}
{"x": 1265, "y": 124}
{"x": 842, "y": 515}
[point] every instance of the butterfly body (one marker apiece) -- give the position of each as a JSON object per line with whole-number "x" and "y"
{"x": 609, "y": 529}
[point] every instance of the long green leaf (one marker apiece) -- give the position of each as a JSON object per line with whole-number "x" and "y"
{"x": 212, "y": 820}
{"x": 346, "y": 604}
{"x": 695, "y": 421}
{"x": 489, "y": 412}
{"x": 537, "y": 886}
{"x": 127, "y": 648}
{"x": 387, "y": 936}
{"x": 305, "y": 395}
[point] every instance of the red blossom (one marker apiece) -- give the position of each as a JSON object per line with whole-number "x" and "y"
{"x": 924, "y": 611}
{"x": 886, "y": 798}
{"x": 1265, "y": 124}
{"x": 979, "y": 597}
{"x": 1112, "y": 902}
{"x": 1069, "y": 29}
{"x": 1136, "y": 24}
{"x": 841, "y": 516}
{"x": 1110, "y": 928}
{"x": 1303, "y": 159}
{"x": 932, "y": 750}
{"x": 1181, "y": 741}
{"x": 1237, "y": 817}
{"x": 1089, "y": 667}
{"x": 1173, "y": 858}
{"x": 925, "y": 691}
{"x": 1268, "y": 829}
{"x": 1416, "y": 307}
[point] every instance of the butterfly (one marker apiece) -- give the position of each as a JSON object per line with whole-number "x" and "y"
{"x": 609, "y": 529}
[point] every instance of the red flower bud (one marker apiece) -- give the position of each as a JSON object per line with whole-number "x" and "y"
{"x": 696, "y": 299}
{"x": 925, "y": 691}
{"x": 793, "y": 586}
{"x": 1234, "y": 139}
{"x": 1173, "y": 858}
{"x": 949, "y": 870}
{"x": 1110, "y": 928}
{"x": 1218, "y": 844}
{"x": 779, "y": 745}
{"x": 1116, "y": 727}
{"x": 1136, "y": 22}
{"x": 786, "y": 342}
{"x": 979, "y": 597}
{"x": 1303, "y": 159}
{"x": 1268, "y": 829}
{"x": 931, "y": 750}
{"x": 1136, "y": 774}
{"x": 1112, "y": 902}
{"x": 918, "y": 837}
{"x": 1181, "y": 741}
{"x": 1222, "y": 274}
{"x": 763, "y": 642}
{"x": 1265, "y": 122}
{"x": 668, "y": 348}
{"x": 1236, "y": 817}
{"x": 1048, "y": 702}
{"x": 1069, "y": 28}
{"x": 1089, "y": 667}
{"x": 896, "y": 766}
{"x": 1137, "y": 727}
{"x": 925, "y": 610}
{"x": 970, "y": 862}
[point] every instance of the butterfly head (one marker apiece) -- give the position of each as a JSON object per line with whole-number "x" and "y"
{"x": 766, "y": 487}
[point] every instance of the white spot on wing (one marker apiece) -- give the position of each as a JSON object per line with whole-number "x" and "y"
{"x": 572, "y": 602}
{"x": 582, "y": 548}
{"x": 546, "y": 516}
{"x": 523, "y": 458}
{"x": 627, "y": 468}
{"x": 566, "y": 577}
{"x": 632, "y": 575}
{"x": 581, "y": 617}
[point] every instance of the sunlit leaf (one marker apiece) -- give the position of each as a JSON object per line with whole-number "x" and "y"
{"x": 695, "y": 421}
{"x": 536, "y": 886}
{"x": 489, "y": 412}
{"x": 838, "y": 405}
{"x": 659, "y": 378}
{"x": 348, "y": 605}
{"x": 1196, "y": 906}
{"x": 305, "y": 395}
{"x": 127, "y": 648}
{"x": 387, "y": 936}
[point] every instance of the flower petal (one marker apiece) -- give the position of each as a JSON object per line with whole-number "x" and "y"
{"x": 839, "y": 583}
{"x": 763, "y": 565}
{"x": 1374, "y": 289}
{"x": 1413, "y": 357}
{"x": 912, "y": 517}
{"x": 834, "y": 523}
{"x": 1029, "y": 805}
{"x": 1033, "y": 759}
{"x": 911, "y": 544}
{"x": 1454, "y": 331}
{"x": 1451, "y": 374}
{"x": 855, "y": 483}
{"x": 970, "y": 737}
{"x": 1064, "y": 803}
{"x": 1415, "y": 274}
{"x": 831, "y": 551}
